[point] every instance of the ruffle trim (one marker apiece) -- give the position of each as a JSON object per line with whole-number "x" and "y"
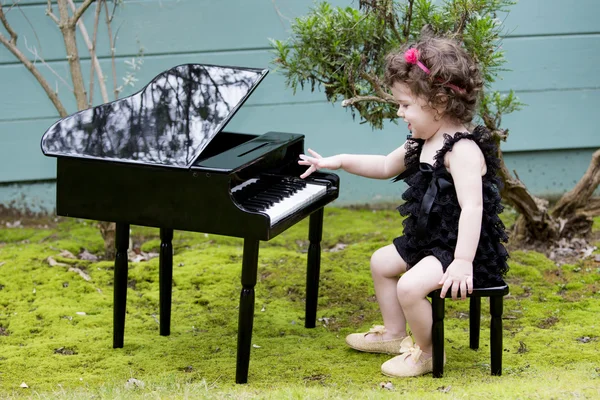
{"x": 483, "y": 138}
{"x": 411, "y": 158}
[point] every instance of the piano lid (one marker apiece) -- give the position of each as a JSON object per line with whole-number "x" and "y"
{"x": 167, "y": 123}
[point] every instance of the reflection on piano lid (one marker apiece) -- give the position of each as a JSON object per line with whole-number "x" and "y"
{"x": 169, "y": 122}
{"x": 160, "y": 157}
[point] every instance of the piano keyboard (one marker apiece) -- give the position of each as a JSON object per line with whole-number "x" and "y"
{"x": 277, "y": 198}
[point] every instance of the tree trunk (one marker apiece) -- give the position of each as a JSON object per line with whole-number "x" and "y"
{"x": 68, "y": 26}
{"x": 108, "y": 231}
{"x": 574, "y": 210}
{"x": 68, "y": 29}
{"x": 534, "y": 223}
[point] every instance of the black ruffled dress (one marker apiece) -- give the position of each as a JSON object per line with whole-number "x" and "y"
{"x": 432, "y": 211}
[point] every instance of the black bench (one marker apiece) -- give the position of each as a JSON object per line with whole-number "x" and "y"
{"x": 496, "y": 295}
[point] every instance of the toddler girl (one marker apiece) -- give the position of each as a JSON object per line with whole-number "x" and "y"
{"x": 452, "y": 233}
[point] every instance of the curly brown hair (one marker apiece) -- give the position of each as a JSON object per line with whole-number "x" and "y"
{"x": 451, "y": 68}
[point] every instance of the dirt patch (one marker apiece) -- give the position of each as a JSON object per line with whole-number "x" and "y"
{"x": 65, "y": 351}
{"x": 548, "y": 322}
{"x": 11, "y": 217}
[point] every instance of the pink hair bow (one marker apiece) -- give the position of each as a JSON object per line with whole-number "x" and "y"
{"x": 411, "y": 56}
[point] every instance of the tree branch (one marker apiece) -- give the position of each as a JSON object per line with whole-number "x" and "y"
{"x": 111, "y": 43}
{"x": 36, "y": 73}
{"x": 67, "y": 28}
{"x": 51, "y": 14}
{"x": 94, "y": 42}
{"x": 593, "y": 207}
{"x": 582, "y": 192}
{"x": 13, "y": 34}
{"x": 408, "y": 19}
{"x": 361, "y": 99}
{"x": 38, "y": 57}
{"x": 79, "y": 12}
{"x": 374, "y": 81}
{"x": 95, "y": 62}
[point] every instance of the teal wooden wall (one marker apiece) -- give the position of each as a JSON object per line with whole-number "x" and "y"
{"x": 552, "y": 47}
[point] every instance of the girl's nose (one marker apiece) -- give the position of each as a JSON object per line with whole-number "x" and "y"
{"x": 400, "y": 113}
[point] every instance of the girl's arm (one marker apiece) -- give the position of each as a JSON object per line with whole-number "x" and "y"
{"x": 466, "y": 165}
{"x": 370, "y": 166}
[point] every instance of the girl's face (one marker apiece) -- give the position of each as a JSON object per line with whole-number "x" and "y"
{"x": 421, "y": 118}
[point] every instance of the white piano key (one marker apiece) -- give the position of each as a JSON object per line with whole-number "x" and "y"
{"x": 288, "y": 205}
{"x": 298, "y": 200}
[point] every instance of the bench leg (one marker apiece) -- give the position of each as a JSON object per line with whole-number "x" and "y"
{"x": 315, "y": 235}
{"x": 437, "y": 334}
{"x": 474, "y": 322}
{"x": 120, "y": 284}
{"x": 246, "y": 315}
{"x": 496, "y": 305}
{"x": 165, "y": 274}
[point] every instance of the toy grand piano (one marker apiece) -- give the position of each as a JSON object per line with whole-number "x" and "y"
{"x": 161, "y": 158}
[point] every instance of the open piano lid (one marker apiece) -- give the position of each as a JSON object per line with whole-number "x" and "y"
{"x": 168, "y": 123}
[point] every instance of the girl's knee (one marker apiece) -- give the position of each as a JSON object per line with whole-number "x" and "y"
{"x": 377, "y": 264}
{"x": 408, "y": 290}
{"x": 387, "y": 263}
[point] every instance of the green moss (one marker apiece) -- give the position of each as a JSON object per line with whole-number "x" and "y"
{"x": 596, "y": 225}
{"x": 56, "y": 328}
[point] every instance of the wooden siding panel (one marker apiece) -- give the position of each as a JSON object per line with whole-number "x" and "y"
{"x": 211, "y": 25}
{"x": 21, "y": 157}
{"x": 546, "y": 63}
{"x": 192, "y": 25}
{"x": 533, "y": 62}
{"x": 552, "y": 17}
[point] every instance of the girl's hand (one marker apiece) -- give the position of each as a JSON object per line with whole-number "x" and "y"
{"x": 316, "y": 162}
{"x": 458, "y": 275}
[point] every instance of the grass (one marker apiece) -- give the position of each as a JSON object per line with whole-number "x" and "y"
{"x": 56, "y": 327}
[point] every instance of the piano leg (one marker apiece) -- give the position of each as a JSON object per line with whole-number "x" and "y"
{"x": 165, "y": 279}
{"x": 246, "y": 316}
{"x": 315, "y": 234}
{"x": 120, "y": 284}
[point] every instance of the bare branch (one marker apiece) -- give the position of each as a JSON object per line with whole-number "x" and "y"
{"x": 38, "y": 57}
{"x": 112, "y": 48}
{"x": 51, "y": 14}
{"x": 68, "y": 30}
{"x": 11, "y": 32}
{"x": 94, "y": 42}
{"x": 79, "y": 12}
{"x": 36, "y": 73}
{"x": 95, "y": 62}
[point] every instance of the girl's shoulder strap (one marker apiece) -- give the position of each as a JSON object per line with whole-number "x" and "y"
{"x": 411, "y": 158}
{"x": 483, "y": 138}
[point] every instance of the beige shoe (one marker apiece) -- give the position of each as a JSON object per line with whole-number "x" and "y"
{"x": 358, "y": 342}
{"x": 399, "y": 365}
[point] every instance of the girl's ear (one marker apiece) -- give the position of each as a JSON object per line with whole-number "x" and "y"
{"x": 439, "y": 103}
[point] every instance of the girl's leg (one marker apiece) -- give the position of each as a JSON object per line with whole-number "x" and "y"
{"x": 413, "y": 288}
{"x": 386, "y": 266}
